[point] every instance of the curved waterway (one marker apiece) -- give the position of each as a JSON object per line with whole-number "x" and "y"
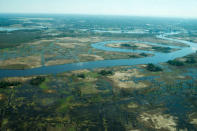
{"x": 157, "y": 58}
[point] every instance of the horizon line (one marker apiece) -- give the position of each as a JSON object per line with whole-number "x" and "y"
{"x": 120, "y": 15}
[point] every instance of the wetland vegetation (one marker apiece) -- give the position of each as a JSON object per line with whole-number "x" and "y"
{"x": 152, "y": 96}
{"x": 153, "y": 68}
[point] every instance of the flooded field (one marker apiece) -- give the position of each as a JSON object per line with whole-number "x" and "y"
{"x": 121, "y": 98}
{"x": 74, "y": 75}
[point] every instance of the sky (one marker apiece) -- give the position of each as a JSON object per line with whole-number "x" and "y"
{"x": 166, "y": 8}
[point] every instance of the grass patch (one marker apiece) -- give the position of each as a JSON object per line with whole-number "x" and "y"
{"x": 44, "y": 85}
{"x": 91, "y": 74}
{"x": 15, "y": 38}
{"x": 65, "y": 104}
{"x": 89, "y": 88}
{"x": 15, "y": 67}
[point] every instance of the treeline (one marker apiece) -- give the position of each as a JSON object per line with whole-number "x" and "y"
{"x": 8, "y": 22}
{"x": 91, "y": 33}
{"x": 189, "y": 60}
{"x": 15, "y": 38}
{"x": 5, "y": 84}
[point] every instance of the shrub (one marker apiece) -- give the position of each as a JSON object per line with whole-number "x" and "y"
{"x": 153, "y": 68}
{"x": 81, "y": 76}
{"x": 143, "y": 54}
{"x": 175, "y": 63}
{"x": 162, "y": 49}
{"x": 37, "y": 81}
{"x": 125, "y": 92}
{"x": 104, "y": 72}
{"x": 4, "y": 84}
{"x": 191, "y": 60}
{"x": 125, "y": 45}
{"x": 77, "y": 91}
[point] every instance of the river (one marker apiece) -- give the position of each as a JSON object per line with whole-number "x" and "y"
{"x": 157, "y": 58}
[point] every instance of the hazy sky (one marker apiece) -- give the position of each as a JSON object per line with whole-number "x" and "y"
{"x": 177, "y": 8}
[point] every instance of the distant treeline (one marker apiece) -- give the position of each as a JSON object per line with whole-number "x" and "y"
{"x": 4, "y": 84}
{"x": 15, "y": 38}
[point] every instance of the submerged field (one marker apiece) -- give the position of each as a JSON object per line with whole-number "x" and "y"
{"x": 123, "y": 98}
{"x": 142, "y": 97}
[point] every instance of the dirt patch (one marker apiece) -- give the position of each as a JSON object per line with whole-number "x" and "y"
{"x": 41, "y": 41}
{"x": 59, "y": 62}
{"x": 85, "y": 39}
{"x": 66, "y": 45}
{"x": 123, "y": 79}
{"x": 94, "y": 57}
{"x": 80, "y": 71}
{"x": 21, "y": 62}
{"x": 132, "y": 105}
{"x": 142, "y": 45}
{"x": 193, "y": 118}
{"x": 159, "y": 121}
{"x": 19, "y": 79}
